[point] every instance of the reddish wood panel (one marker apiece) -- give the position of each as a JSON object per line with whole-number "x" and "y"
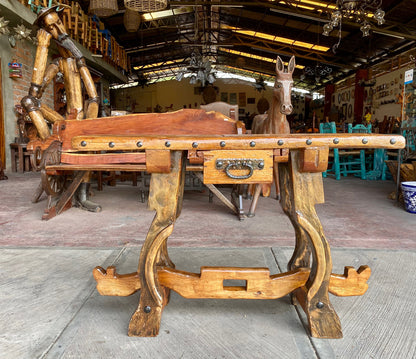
{"x": 158, "y": 161}
{"x": 183, "y": 122}
{"x": 110, "y": 158}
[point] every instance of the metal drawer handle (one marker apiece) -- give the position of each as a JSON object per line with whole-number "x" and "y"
{"x": 234, "y": 165}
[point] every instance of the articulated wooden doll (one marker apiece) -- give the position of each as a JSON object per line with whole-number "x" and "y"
{"x": 73, "y": 67}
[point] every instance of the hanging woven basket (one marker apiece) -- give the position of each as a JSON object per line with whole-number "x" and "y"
{"x": 131, "y": 20}
{"x": 146, "y": 5}
{"x": 103, "y": 8}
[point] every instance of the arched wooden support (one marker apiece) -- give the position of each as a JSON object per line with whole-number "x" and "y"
{"x": 210, "y": 282}
{"x": 166, "y": 191}
{"x": 302, "y": 191}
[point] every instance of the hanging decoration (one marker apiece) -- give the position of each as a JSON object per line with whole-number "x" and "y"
{"x": 131, "y": 20}
{"x": 22, "y": 32}
{"x": 4, "y": 29}
{"x": 146, "y": 5}
{"x": 318, "y": 72}
{"x": 15, "y": 69}
{"x": 199, "y": 70}
{"x": 103, "y": 8}
{"x": 359, "y": 10}
{"x": 142, "y": 80}
{"x": 260, "y": 84}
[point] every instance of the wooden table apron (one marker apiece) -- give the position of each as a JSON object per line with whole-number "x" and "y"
{"x": 309, "y": 278}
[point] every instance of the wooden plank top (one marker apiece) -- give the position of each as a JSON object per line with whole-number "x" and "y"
{"x": 182, "y": 122}
{"x": 234, "y": 142}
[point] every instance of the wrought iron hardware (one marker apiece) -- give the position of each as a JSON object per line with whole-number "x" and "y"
{"x": 228, "y": 164}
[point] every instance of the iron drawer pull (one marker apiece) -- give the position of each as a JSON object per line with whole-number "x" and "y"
{"x": 231, "y": 165}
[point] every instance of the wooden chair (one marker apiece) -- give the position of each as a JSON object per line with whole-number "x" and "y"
{"x": 345, "y": 161}
{"x": 354, "y": 161}
{"x": 333, "y": 160}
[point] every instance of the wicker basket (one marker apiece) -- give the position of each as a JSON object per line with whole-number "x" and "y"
{"x": 103, "y": 8}
{"x": 131, "y": 20}
{"x": 146, "y": 5}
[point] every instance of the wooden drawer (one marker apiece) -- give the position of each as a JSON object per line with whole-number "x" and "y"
{"x": 238, "y": 166}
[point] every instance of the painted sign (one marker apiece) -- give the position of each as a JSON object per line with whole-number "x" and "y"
{"x": 408, "y": 77}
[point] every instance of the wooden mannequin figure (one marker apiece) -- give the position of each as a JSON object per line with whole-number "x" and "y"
{"x": 73, "y": 67}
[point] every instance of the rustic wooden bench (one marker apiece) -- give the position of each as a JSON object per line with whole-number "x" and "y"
{"x": 233, "y": 159}
{"x": 58, "y": 167}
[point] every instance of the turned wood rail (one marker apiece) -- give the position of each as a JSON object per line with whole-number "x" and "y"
{"x": 132, "y": 142}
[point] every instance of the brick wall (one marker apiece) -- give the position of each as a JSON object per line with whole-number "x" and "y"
{"x": 24, "y": 53}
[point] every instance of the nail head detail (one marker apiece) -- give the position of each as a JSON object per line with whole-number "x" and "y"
{"x": 280, "y": 142}
{"x": 252, "y": 144}
{"x": 308, "y": 141}
{"x": 365, "y": 141}
{"x": 222, "y": 143}
{"x": 167, "y": 144}
{"x": 147, "y": 309}
{"x": 83, "y": 143}
{"x": 393, "y": 141}
{"x": 194, "y": 144}
{"x": 111, "y": 144}
{"x": 139, "y": 144}
{"x": 336, "y": 141}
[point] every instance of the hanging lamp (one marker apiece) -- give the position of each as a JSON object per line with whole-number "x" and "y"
{"x": 131, "y": 20}
{"x": 103, "y": 8}
{"x": 146, "y": 5}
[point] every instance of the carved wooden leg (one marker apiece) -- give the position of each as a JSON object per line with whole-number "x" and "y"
{"x": 165, "y": 197}
{"x": 300, "y": 193}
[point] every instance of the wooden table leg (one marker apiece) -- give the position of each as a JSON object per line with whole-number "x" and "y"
{"x": 299, "y": 194}
{"x": 21, "y": 163}
{"x": 13, "y": 157}
{"x": 165, "y": 197}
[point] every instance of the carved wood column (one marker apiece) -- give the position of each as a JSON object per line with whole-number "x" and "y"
{"x": 361, "y": 74}
{"x": 300, "y": 191}
{"x": 165, "y": 197}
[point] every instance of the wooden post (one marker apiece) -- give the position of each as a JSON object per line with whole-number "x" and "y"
{"x": 362, "y": 74}
{"x": 300, "y": 192}
{"x": 165, "y": 197}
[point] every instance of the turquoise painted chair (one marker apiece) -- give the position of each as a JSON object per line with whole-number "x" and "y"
{"x": 345, "y": 161}
{"x": 354, "y": 161}
{"x": 333, "y": 158}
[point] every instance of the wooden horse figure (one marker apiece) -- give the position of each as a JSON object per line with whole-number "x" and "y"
{"x": 275, "y": 122}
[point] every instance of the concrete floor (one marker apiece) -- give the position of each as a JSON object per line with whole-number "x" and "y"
{"x": 50, "y": 308}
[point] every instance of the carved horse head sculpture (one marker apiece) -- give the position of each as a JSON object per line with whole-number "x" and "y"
{"x": 275, "y": 121}
{"x": 283, "y": 85}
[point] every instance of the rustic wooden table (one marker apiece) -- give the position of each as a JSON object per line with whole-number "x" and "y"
{"x": 236, "y": 159}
